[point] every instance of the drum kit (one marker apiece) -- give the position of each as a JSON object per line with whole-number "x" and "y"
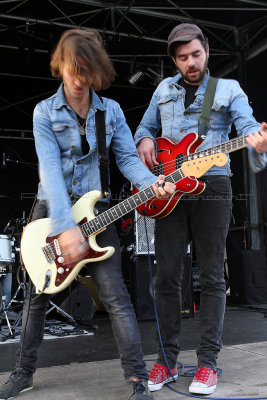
{"x": 10, "y": 264}
{"x": 11, "y": 312}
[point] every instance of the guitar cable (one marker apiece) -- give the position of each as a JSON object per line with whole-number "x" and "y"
{"x": 191, "y": 369}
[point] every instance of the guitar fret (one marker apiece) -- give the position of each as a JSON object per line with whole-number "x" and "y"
{"x": 138, "y": 199}
{"x": 124, "y": 209}
{"x": 104, "y": 215}
{"x": 85, "y": 229}
{"x": 126, "y": 204}
{"x": 132, "y": 202}
{"x": 227, "y": 147}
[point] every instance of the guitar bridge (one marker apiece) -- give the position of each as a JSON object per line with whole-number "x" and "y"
{"x": 48, "y": 253}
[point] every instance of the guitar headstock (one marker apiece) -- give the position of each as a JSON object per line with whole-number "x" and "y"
{"x": 199, "y": 166}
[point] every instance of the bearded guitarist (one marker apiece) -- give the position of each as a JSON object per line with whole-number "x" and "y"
{"x": 175, "y": 107}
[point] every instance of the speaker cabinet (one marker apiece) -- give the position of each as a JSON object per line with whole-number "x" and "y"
{"x": 248, "y": 277}
{"x": 76, "y": 300}
{"x": 141, "y": 292}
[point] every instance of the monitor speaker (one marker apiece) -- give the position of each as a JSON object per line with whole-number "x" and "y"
{"x": 248, "y": 277}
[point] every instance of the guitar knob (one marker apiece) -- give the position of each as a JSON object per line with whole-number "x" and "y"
{"x": 60, "y": 260}
{"x": 60, "y": 270}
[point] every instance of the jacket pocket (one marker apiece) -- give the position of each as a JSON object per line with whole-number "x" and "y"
{"x": 63, "y": 132}
{"x": 60, "y": 126}
{"x": 220, "y": 104}
{"x": 166, "y": 107}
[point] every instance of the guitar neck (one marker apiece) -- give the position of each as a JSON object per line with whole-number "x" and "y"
{"x": 227, "y": 147}
{"x": 126, "y": 206}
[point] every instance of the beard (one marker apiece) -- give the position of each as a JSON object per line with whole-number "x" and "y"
{"x": 199, "y": 77}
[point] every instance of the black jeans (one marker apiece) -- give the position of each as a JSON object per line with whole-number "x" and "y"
{"x": 205, "y": 219}
{"x": 113, "y": 293}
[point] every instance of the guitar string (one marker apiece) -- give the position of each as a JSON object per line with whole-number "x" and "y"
{"x": 169, "y": 165}
{"x": 103, "y": 217}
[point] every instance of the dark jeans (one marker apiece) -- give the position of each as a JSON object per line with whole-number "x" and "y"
{"x": 205, "y": 219}
{"x": 113, "y": 293}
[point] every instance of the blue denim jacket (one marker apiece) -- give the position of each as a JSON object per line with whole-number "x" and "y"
{"x": 167, "y": 111}
{"x": 63, "y": 169}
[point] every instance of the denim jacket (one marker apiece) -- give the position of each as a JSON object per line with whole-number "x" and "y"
{"x": 167, "y": 111}
{"x": 63, "y": 169}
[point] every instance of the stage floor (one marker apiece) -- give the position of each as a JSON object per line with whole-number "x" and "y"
{"x": 86, "y": 366}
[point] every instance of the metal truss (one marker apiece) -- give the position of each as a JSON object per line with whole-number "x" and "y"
{"x": 141, "y": 23}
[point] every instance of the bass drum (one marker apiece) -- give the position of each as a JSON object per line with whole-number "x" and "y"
{"x": 6, "y": 255}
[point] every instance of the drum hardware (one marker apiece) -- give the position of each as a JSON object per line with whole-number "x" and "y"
{"x": 60, "y": 311}
{"x": 7, "y": 257}
{"x": 9, "y": 262}
{"x": 4, "y": 311}
{"x": 14, "y": 303}
{"x": 15, "y": 226}
{"x": 6, "y": 269}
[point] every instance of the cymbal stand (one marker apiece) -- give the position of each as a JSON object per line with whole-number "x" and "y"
{"x": 6, "y": 307}
{"x": 3, "y": 311}
{"x": 60, "y": 311}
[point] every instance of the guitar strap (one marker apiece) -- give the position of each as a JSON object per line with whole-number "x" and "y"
{"x": 204, "y": 121}
{"x": 103, "y": 156}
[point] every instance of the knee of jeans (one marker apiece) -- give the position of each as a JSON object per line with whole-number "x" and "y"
{"x": 117, "y": 304}
{"x": 169, "y": 283}
{"x": 212, "y": 282}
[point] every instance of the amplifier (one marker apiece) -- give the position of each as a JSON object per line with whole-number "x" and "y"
{"x": 144, "y": 234}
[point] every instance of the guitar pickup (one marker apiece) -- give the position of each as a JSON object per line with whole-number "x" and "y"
{"x": 159, "y": 169}
{"x": 48, "y": 253}
{"x": 179, "y": 160}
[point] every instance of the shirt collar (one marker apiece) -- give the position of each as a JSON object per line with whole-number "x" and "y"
{"x": 202, "y": 87}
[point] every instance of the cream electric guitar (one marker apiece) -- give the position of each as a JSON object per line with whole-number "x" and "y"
{"x": 41, "y": 253}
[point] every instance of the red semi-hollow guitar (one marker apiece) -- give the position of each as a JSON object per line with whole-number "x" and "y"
{"x": 170, "y": 157}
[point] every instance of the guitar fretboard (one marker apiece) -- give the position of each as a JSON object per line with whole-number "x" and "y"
{"x": 117, "y": 211}
{"x": 227, "y": 147}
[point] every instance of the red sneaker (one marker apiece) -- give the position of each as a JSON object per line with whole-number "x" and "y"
{"x": 160, "y": 375}
{"x": 204, "y": 382}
